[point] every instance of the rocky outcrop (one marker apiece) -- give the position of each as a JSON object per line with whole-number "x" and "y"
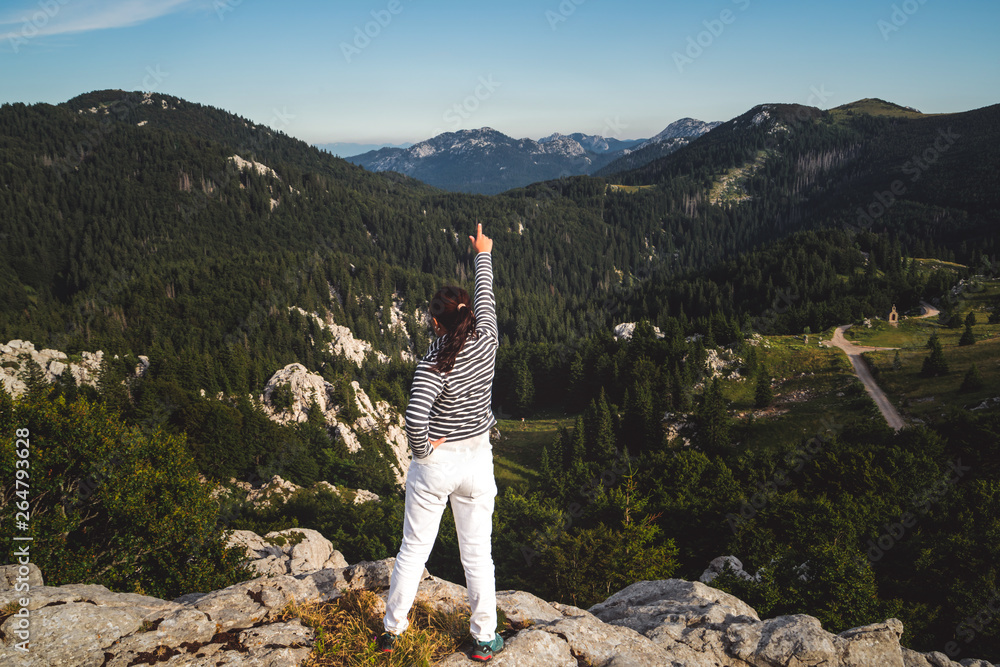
{"x": 292, "y": 551}
{"x": 52, "y": 362}
{"x": 278, "y": 490}
{"x": 625, "y": 330}
{"x": 672, "y": 623}
{"x": 344, "y": 344}
{"x": 720, "y": 564}
{"x": 375, "y": 416}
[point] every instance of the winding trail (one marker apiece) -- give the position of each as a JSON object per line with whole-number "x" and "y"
{"x": 929, "y": 310}
{"x": 853, "y": 352}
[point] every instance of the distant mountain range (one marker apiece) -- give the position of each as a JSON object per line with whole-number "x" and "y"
{"x": 486, "y": 161}
{"x": 343, "y": 149}
{"x": 676, "y": 135}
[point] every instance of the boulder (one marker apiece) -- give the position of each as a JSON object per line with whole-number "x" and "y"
{"x": 9, "y": 575}
{"x": 718, "y": 566}
{"x": 292, "y": 551}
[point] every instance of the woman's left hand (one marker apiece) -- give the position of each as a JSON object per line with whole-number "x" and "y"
{"x": 435, "y": 443}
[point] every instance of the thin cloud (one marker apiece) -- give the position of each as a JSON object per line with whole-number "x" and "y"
{"x": 62, "y": 17}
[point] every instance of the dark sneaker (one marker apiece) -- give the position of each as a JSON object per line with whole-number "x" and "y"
{"x": 387, "y": 642}
{"x": 483, "y": 651}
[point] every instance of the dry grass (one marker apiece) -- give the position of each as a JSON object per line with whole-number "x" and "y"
{"x": 347, "y": 628}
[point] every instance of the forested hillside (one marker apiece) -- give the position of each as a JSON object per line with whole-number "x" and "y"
{"x": 143, "y": 224}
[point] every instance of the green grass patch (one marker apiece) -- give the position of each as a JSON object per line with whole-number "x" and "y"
{"x": 517, "y": 455}
{"x": 919, "y": 397}
{"x": 630, "y": 189}
{"x": 815, "y": 388}
{"x": 909, "y": 333}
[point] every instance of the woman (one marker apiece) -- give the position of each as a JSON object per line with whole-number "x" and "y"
{"x": 448, "y": 422}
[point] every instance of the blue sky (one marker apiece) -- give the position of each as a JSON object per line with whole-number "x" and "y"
{"x": 524, "y": 67}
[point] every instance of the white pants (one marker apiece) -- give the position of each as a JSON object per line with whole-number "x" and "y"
{"x": 461, "y": 471}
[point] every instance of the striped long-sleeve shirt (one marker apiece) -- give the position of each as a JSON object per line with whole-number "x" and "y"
{"x": 456, "y": 405}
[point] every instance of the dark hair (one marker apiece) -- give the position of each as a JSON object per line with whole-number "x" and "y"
{"x": 452, "y": 308}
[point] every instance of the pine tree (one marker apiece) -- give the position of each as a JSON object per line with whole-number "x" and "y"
{"x": 935, "y": 364}
{"x": 577, "y": 382}
{"x": 750, "y": 362}
{"x": 314, "y": 415}
{"x": 968, "y": 338}
{"x": 603, "y": 429}
{"x": 111, "y": 385}
{"x": 973, "y": 380}
{"x": 713, "y": 418}
{"x": 545, "y": 468}
{"x": 678, "y": 393}
{"x": 524, "y": 386}
{"x": 897, "y": 363}
{"x": 763, "y": 393}
{"x": 970, "y": 319}
{"x": 33, "y": 377}
{"x": 641, "y": 422}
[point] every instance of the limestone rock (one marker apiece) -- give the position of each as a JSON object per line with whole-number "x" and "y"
{"x": 292, "y": 551}
{"x": 646, "y": 605}
{"x": 524, "y": 609}
{"x": 279, "y": 644}
{"x": 180, "y": 626}
{"x": 528, "y": 647}
{"x": 626, "y": 329}
{"x": 718, "y": 566}
{"x": 935, "y": 659}
{"x": 672, "y": 623}
{"x": 243, "y": 605}
{"x": 9, "y": 575}
{"x": 276, "y": 490}
{"x": 53, "y": 362}
{"x": 376, "y": 416}
{"x": 75, "y": 633}
{"x": 335, "y": 561}
{"x": 359, "y": 495}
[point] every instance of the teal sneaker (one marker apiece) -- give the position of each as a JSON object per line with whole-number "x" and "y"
{"x": 483, "y": 651}
{"x": 387, "y": 642}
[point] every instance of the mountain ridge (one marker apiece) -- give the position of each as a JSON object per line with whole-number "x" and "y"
{"x": 486, "y": 161}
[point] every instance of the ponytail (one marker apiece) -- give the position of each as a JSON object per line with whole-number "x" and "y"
{"x": 452, "y": 308}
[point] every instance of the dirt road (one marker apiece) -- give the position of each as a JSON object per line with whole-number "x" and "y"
{"x": 864, "y": 374}
{"x": 929, "y": 310}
